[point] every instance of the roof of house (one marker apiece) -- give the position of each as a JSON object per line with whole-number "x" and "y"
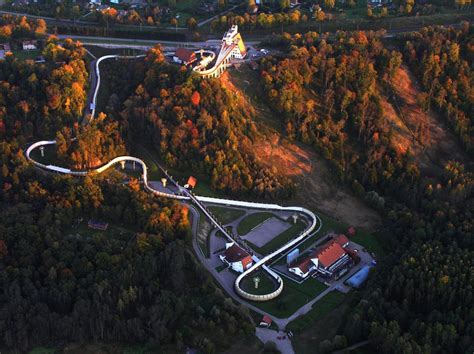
{"x": 246, "y": 261}
{"x": 304, "y": 265}
{"x": 192, "y": 181}
{"x": 329, "y": 253}
{"x": 235, "y": 254}
{"x": 185, "y": 54}
{"x": 341, "y": 240}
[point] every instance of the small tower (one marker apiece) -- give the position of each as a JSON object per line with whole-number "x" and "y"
{"x": 256, "y": 281}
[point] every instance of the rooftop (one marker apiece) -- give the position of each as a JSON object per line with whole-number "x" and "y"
{"x": 235, "y": 254}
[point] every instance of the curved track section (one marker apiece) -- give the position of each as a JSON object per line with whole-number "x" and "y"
{"x": 314, "y": 221}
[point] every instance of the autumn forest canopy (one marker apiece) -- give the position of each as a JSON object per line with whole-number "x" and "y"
{"x": 140, "y": 282}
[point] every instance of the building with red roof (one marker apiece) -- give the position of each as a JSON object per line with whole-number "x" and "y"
{"x": 184, "y": 56}
{"x": 237, "y": 258}
{"x": 266, "y": 321}
{"x": 329, "y": 259}
{"x": 192, "y": 181}
{"x": 342, "y": 240}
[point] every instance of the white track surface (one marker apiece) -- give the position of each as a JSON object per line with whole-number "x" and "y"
{"x": 315, "y": 221}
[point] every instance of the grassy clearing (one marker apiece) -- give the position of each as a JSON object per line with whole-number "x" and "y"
{"x": 293, "y": 296}
{"x": 373, "y": 242}
{"x": 265, "y": 286}
{"x": 118, "y": 231}
{"x": 50, "y": 157}
{"x": 42, "y": 350}
{"x": 100, "y": 51}
{"x": 319, "y": 309}
{"x": 203, "y": 232}
{"x": 226, "y": 215}
{"x": 282, "y": 238}
{"x": 324, "y": 326}
{"x": 27, "y": 54}
{"x": 252, "y": 221}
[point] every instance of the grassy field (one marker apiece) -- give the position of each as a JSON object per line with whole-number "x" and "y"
{"x": 203, "y": 232}
{"x": 281, "y": 239}
{"x": 252, "y": 221}
{"x": 226, "y": 215}
{"x": 265, "y": 286}
{"x": 42, "y": 350}
{"x": 100, "y": 51}
{"x": 117, "y": 231}
{"x": 324, "y": 321}
{"x": 294, "y": 296}
{"x": 373, "y": 242}
{"x": 50, "y": 157}
{"x": 319, "y": 309}
{"x": 27, "y": 54}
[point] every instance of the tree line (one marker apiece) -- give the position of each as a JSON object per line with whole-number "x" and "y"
{"x": 419, "y": 299}
{"x": 137, "y": 282}
{"x": 441, "y": 60}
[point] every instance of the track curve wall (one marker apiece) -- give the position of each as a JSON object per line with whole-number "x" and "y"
{"x": 314, "y": 221}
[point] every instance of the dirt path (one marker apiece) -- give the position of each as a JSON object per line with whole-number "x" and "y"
{"x": 317, "y": 188}
{"x": 428, "y": 136}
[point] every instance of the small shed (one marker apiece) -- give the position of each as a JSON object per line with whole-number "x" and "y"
{"x": 351, "y": 231}
{"x": 192, "y": 181}
{"x": 97, "y": 225}
{"x": 266, "y": 321}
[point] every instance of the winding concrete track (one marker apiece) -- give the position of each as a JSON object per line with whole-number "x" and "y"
{"x": 185, "y": 195}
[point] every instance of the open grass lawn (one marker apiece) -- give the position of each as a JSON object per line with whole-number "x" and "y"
{"x": 265, "y": 286}
{"x": 319, "y": 309}
{"x": 282, "y": 238}
{"x": 203, "y": 232}
{"x": 100, "y": 51}
{"x": 252, "y": 221}
{"x": 373, "y": 242}
{"x": 293, "y": 296}
{"x": 50, "y": 157}
{"x": 42, "y": 350}
{"x": 117, "y": 231}
{"x": 226, "y": 215}
{"x": 321, "y": 326}
{"x": 27, "y": 54}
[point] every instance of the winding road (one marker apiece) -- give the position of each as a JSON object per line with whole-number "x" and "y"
{"x": 315, "y": 222}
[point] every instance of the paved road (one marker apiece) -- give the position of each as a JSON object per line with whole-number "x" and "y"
{"x": 67, "y": 22}
{"x": 269, "y": 335}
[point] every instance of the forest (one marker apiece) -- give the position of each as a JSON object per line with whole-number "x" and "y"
{"x": 442, "y": 59}
{"x": 139, "y": 282}
{"x": 62, "y": 283}
{"x": 329, "y": 94}
{"x": 193, "y": 124}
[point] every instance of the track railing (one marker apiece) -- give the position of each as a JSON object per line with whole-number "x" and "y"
{"x": 314, "y": 226}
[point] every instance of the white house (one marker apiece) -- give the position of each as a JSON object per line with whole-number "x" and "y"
{"x": 238, "y": 259}
{"x": 29, "y": 45}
